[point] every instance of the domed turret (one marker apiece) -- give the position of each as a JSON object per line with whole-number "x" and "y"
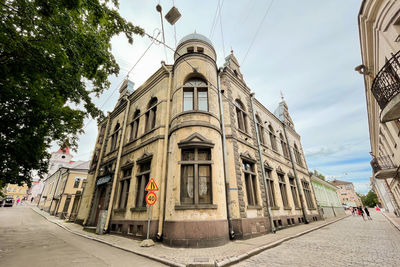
{"x": 195, "y": 43}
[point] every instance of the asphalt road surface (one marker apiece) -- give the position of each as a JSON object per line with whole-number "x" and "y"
{"x": 27, "y": 239}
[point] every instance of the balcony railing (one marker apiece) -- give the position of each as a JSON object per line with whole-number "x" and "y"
{"x": 382, "y": 163}
{"x": 386, "y": 84}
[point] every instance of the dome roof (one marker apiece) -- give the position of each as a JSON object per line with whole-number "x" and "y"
{"x": 195, "y": 36}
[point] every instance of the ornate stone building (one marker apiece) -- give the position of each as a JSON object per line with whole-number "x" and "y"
{"x": 379, "y": 27}
{"x": 225, "y": 165}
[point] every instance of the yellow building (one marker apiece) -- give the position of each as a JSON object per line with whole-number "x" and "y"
{"x": 379, "y": 28}
{"x": 16, "y": 191}
{"x": 63, "y": 189}
{"x": 226, "y": 166}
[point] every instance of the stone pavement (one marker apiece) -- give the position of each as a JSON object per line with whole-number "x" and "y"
{"x": 216, "y": 256}
{"x": 349, "y": 242}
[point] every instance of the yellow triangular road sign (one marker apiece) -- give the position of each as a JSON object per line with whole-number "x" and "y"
{"x": 151, "y": 186}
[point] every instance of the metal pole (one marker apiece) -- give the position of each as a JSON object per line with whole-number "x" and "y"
{"x": 148, "y": 222}
{"x": 262, "y": 165}
{"x": 225, "y": 157}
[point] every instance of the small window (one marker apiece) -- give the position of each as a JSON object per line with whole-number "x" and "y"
{"x": 190, "y": 49}
{"x": 200, "y": 49}
{"x": 76, "y": 183}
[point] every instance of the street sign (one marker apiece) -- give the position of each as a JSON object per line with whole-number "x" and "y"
{"x": 151, "y": 198}
{"x": 151, "y": 186}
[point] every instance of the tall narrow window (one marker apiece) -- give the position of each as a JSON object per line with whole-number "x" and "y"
{"x": 284, "y": 146}
{"x": 241, "y": 115}
{"x": 297, "y": 155}
{"x": 196, "y": 176}
{"x": 260, "y": 129}
{"x": 307, "y": 194}
{"x": 282, "y": 187}
{"x": 272, "y": 137}
{"x": 188, "y": 100}
{"x": 143, "y": 178}
{"x": 135, "y": 125}
{"x": 250, "y": 182}
{"x": 124, "y": 184}
{"x": 151, "y": 114}
{"x": 114, "y": 137}
{"x": 195, "y": 95}
{"x": 271, "y": 189}
{"x": 294, "y": 192}
{"x": 76, "y": 183}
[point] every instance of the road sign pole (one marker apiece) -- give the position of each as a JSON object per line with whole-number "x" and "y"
{"x": 148, "y": 222}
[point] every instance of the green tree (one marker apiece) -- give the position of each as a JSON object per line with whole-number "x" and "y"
{"x": 370, "y": 199}
{"x": 318, "y": 174}
{"x": 49, "y": 51}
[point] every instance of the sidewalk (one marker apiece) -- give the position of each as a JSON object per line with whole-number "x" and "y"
{"x": 393, "y": 219}
{"x": 216, "y": 256}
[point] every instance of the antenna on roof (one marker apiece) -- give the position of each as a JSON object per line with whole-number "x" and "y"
{"x": 283, "y": 98}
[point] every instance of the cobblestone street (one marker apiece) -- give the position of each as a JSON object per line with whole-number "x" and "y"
{"x": 349, "y": 242}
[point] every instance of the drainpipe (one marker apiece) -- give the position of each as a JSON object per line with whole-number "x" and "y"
{"x": 55, "y": 190}
{"x": 225, "y": 158}
{"x": 97, "y": 168}
{"x": 121, "y": 144}
{"x": 303, "y": 210}
{"x": 163, "y": 185}
{"x": 273, "y": 230}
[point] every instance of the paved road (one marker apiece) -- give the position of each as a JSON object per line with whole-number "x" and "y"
{"x": 349, "y": 242}
{"x": 27, "y": 239}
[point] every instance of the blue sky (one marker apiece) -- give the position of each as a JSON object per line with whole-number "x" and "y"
{"x": 306, "y": 49}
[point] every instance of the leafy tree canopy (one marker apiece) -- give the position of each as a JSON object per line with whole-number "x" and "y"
{"x": 319, "y": 175}
{"x": 370, "y": 199}
{"x": 49, "y": 50}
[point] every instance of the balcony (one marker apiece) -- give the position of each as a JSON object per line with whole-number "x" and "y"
{"x": 384, "y": 168}
{"x": 386, "y": 89}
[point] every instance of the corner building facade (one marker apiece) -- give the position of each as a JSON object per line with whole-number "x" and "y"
{"x": 170, "y": 129}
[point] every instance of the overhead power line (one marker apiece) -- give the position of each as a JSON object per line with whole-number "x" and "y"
{"x": 258, "y": 30}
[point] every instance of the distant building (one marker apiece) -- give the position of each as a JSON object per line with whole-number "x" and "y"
{"x": 172, "y": 129}
{"x": 346, "y": 193}
{"x": 16, "y": 191}
{"x": 379, "y": 28}
{"x": 327, "y": 197}
{"x": 63, "y": 189}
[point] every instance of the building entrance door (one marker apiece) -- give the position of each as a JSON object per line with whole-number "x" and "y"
{"x": 100, "y": 205}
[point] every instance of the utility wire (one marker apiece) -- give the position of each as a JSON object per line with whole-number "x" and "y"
{"x": 214, "y": 21}
{"x": 258, "y": 30}
{"x": 220, "y": 23}
{"x": 126, "y": 77}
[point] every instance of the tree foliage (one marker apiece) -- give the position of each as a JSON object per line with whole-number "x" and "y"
{"x": 49, "y": 51}
{"x": 319, "y": 175}
{"x": 370, "y": 199}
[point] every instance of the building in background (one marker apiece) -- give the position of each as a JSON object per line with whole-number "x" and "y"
{"x": 58, "y": 159}
{"x": 63, "y": 190}
{"x": 172, "y": 129}
{"x": 327, "y": 197}
{"x": 16, "y": 191}
{"x": 346, "y": 193}
{"x": 379, "y": 28}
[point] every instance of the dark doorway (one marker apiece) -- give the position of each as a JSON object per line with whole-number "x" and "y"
{"x": 100, "y": 205}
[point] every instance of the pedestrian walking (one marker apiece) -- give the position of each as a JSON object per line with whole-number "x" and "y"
{"x": 353, "y": 210}
{"x": 362, "y": 212}
{"x": 359, "y": 211}
{"x": 18, "y": 201}
{"x": 367, "y": 213}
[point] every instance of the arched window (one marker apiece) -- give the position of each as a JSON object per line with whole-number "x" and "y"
{"x": 195, "y": 95}
{"x": 260, "y": 129}
{"x": 151, "y": 114}
{"x": 272, "y": 137}
{"x": 135, "y": 125}
{"x": 241, "y": 115}
{"x": 284, "y": 146}
{"x": 114, "y": 137}
{"x": 297, "y": 155}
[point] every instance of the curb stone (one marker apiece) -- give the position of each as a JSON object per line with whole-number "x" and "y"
{"x": 161, "y": 260}
{"x": 222, "y": 262}
{"x": 391, "y": 221}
